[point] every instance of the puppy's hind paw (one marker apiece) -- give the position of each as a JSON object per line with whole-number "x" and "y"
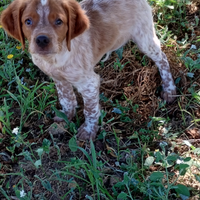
{"x": 169, "y": 96}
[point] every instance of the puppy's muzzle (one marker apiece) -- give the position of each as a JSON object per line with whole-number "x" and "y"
{"x": 42, "y": 41}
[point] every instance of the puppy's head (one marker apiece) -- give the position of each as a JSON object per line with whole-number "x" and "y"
{"x": 47, "y": 24}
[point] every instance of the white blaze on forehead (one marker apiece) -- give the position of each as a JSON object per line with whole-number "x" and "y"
{"x": 43, "y": 12}
{"x": 43, "y": 2}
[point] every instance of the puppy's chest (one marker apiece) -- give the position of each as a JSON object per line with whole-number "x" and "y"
{"x": 62, "y": 71}
{"x": 48, "y": 66}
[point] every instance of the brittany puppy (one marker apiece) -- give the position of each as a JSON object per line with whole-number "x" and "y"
{"x": 67, "y": 39}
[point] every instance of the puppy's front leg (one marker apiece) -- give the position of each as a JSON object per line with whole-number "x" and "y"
{"x": 67, "y": 99}
{"x": 89, "y": 88}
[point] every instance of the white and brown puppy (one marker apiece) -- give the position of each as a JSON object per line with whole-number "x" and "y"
{"x": 67, "y": 39}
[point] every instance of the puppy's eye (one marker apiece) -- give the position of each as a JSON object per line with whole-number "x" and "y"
{"x": 28, "y": 22}
{"x": 58, "y": 22}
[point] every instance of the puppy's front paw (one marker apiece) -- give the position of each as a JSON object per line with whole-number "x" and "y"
{"x": 69, "y": 115}
{"x": 169, "y": 96}
{"x": 87, "y": 131}
{"x": 58, "y": 119}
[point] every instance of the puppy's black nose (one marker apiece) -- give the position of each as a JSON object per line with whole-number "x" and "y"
{"x": 42, "y": 41}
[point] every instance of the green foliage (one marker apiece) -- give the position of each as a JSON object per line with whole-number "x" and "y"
{"x": 172, "y": 12}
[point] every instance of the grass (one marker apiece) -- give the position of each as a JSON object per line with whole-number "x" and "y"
{"x": 145, "y": 149}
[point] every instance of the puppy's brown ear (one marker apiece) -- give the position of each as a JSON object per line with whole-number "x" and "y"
{"x": 11, "y": 20}
{"x": 78, "y": 22}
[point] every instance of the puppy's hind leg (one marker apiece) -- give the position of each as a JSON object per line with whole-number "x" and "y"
{"x": 145, "y": 38}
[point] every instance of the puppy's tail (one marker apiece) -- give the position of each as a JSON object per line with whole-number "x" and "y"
{"x": 106, "y": 57}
